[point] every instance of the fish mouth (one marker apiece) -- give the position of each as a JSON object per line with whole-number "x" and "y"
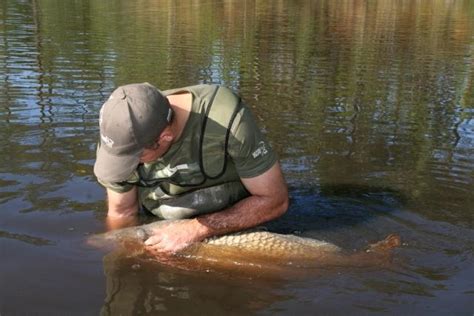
{"x": 98, "y": 241}
{"x": 109, "y": 239}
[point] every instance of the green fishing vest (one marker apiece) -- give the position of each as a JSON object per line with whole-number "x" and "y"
{"x": 218, "y": 109}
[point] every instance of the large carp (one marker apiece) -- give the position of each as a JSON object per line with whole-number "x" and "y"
{"x": 250, "y": 249}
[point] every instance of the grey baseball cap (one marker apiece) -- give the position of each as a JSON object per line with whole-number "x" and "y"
{"x": 131, "y": 119}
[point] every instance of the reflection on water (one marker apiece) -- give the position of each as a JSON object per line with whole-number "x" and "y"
{"x": 135, "y": 286}
{"x": 369, "y": 105}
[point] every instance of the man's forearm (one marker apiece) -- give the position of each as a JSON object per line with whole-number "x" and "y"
{"x": 120, "y": 222}
{"x": 247, "y": 213}
{"x": 121, "y": 218}
{"x": 122, "y": 209}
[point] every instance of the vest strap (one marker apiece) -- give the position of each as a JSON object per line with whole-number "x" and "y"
{"x": 215, "y": 131}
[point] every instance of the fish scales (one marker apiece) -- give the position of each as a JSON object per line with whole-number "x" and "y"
{"x": 273, "y": 243}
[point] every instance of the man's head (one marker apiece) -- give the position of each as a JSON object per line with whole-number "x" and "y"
{"x": 131, "y": 119}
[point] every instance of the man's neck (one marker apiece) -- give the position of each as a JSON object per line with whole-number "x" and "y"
{"x": 181, "y": 105}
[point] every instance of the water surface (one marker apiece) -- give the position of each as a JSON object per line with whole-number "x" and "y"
{"x": 369, "y": 104}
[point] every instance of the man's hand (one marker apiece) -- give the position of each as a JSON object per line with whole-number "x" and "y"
{"x": 175, "y": 237}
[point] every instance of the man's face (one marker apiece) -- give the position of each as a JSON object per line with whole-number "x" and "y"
{"x": 150, "y": 155}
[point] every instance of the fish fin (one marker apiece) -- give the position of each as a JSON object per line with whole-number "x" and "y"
{"x": 390, "y": 242}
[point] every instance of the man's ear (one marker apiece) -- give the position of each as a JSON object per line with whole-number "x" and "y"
{"x": 166, "y": 135}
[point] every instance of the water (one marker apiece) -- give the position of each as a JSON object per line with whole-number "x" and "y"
{"x": 370, "y": 106}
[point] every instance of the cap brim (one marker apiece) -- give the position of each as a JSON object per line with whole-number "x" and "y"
{"x": 113, "y": 168}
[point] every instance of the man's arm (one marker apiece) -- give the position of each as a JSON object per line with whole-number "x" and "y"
{"x": 123, "y": 208}
{"x": 268, "y": 200}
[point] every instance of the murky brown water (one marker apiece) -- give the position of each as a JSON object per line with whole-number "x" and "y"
{"x": 370, "y": 105}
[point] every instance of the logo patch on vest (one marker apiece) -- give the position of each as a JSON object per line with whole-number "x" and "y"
{"x": 260, "y": 151}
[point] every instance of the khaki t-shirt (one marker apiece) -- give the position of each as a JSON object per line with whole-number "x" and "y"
{"x": 179, "y": 171}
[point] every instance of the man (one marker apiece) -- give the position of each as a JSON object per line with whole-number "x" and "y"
{"x": 192, "y": 153}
